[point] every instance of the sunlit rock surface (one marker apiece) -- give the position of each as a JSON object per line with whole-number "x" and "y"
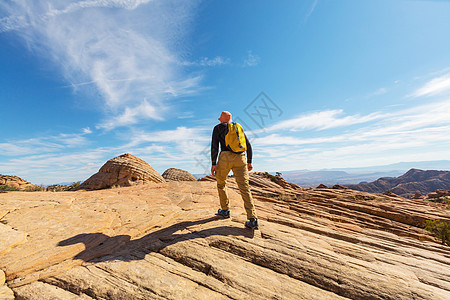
{"x": 163, "y": 241}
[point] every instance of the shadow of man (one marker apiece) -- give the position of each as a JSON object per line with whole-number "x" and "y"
{"x": 101, "y": 247}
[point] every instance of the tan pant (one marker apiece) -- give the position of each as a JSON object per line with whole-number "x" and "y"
{"x": 236, "y": 162}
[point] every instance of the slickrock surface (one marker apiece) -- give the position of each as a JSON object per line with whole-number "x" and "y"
{"x": 16, "y": 182}
{"x": 162, "y": 241}
{"x": 5, "y": 292}
{"x": 174, "y": 174}
{"x": 123, "y": 170}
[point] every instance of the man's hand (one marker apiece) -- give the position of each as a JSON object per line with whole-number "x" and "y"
{"x": 213, "y": 170}
{"x": 249, "y": 167}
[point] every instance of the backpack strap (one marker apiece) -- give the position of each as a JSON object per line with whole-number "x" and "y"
{"x": 237, "y": 133}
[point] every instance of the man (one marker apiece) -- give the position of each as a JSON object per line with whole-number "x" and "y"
{"x": 232, "y": 160}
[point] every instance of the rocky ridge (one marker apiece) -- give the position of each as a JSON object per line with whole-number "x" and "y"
{"x": 16, "y": 182}
{"x": 123, "y": 170}
{"x": 413, "y": 181}
{"x": 162, "y": 241}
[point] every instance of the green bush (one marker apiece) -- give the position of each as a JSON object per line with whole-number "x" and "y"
{"x": 73, "y": 185}
{"x": 443, "y": 200}
{"x": 440, "y": 229}
{"x": 8, "y": 188}
{"x": 273, "y": 178}
{"x": 34, "y": 188}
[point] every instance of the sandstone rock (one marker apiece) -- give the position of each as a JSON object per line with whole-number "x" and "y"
{"x": 123, "y": 170}
{"x": 442, "y": 193}
{"x": 432, "y": 195}
{"x": 339, "y": 187}
{"x": 390, "y": 194}
{"x": 163, "y": 241}
{"x": 6, "y": 293}
{"x": 17, "y": 182}
{"x": 174, "y": 174}
{"x": 418, "y": 196}
{"x": 46, "y": 291}
{"x": 9, "y": 238}
{"x": 322, "y": 186}
{"x": 208, "y": 178}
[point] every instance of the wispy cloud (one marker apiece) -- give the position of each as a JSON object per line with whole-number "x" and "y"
{"x": 416, "y": 133}
{"x": 434, "y": 87}
{"x": 311, "y": 10}
{"x": 251, "y": 60}
{"x": 323, "y": 120}
{"x": 124, "y": 48}
{"x": 44, "y": 144}
{"x": 216, "y": 61}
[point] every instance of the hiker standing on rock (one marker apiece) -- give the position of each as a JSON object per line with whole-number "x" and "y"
{"x": 233, "y": 144}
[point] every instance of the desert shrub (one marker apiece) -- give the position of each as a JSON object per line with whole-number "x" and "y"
{"x": 34, "y": 188}
{"x": 440, "y": 229}
{"x": 273, "y": 178}
{"x": 8, "y": 188}
{"x": 364, "y": 197}
{"x": 73, "y": 185}
{"x": 443, "y": 200}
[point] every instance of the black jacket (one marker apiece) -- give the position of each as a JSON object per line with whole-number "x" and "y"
{"x": 218, "y": 137}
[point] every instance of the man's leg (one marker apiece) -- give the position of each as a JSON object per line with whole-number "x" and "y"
{"x": 240, "y": 172}
{"x": 222, "y": 170}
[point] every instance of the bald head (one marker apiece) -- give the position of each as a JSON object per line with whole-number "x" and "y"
{"x": 225, "y": 117}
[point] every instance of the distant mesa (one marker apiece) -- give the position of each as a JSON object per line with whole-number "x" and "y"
{"x": 16, "y": 183}
{"x": 174, "y": 174}
{"x": 412, "y": 182}
{"x": 123, "y": 170}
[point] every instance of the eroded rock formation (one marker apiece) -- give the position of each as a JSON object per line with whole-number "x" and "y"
{"x": 163, "y": 241}
{"x": 174, "y": 174}
{"x": 17, "y": 182}
{"x": 123, "y": 170}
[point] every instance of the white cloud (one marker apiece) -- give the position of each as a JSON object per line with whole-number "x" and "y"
{"x": 414, "y": 134}
{"x": 216, "y": 61}
{"x": 87, "y": 130}
{"x": 44, "y": 144}
{"x": 311, "y": 10}
{"x": 125, "y": 49}
{"x": 252, "y": 60}
{"x": 434, "y": 87}
{"x": 323, "y": 120}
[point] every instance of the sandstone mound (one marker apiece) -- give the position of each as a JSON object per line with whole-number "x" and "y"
{"x": 123, "y": 170}
{"x": 17, "y": 182}
{"x": 174, "y": 174}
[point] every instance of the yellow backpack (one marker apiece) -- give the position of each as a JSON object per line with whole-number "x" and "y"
{"x": 235, "y": 138}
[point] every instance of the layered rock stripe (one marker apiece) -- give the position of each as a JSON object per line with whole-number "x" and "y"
{"x": 162, "y": 241}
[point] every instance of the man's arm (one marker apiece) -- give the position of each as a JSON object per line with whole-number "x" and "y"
{"x": 214, "y": 149}
{"x": 249, "y": 154}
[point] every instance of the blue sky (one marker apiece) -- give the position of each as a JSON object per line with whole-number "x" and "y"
{"x": 316, "y": 83}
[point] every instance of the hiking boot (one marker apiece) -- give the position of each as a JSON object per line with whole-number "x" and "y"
{"x": 223, "y": 213}
{"x": 252, "y": 224}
